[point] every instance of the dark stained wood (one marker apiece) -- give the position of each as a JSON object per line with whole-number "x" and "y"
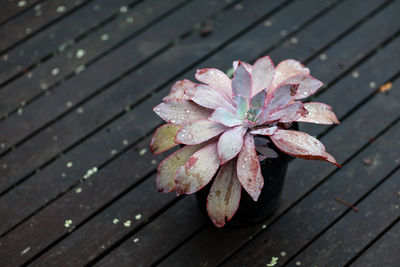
{"x": 29, "y": 23}
{"x": 384, "y": 252}
{"x": 10, "y": 9}
{"x": 86, "y": 199}
{"x": 355, "y": 230}
{"x": 110, "y": 100}
{"x": 95, "y": 45}
{"x": 106, "y": 72}
{"x": 96, "y": 121}
{"x": 34, "y": 187}
{"x": 33, "y": 50}
{"x": 157, "y": 239}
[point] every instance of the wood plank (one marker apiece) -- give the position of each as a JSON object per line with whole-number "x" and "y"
{"x": 32, "y": 187}
{"x": 146, "y": 252}
{"x": 298, "y": 225}
{"x": 120, "y": 180}
{"x": 10, "y": 9}
{"x": 31, "y": 51}
{"x": 93, "y": 78}
{"x": 385, "y": 252}
{"x": 100, "y": 233}
{"x": 28, "y": 24}
{"x": 95, "y": 45}
{"x": 120, "y": 252}
{"x": 341, "y": 242}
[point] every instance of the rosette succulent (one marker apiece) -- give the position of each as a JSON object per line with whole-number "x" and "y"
{"x": 219, "y": 124}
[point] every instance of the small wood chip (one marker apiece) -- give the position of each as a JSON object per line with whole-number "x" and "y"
{"x": 386, "y": 87}
{"x": 207, "y": 30}
{"x": 346, "y": 203}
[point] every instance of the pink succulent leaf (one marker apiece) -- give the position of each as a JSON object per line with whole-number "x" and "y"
{"x": 248, "y": 66}
{"x": 224, "y": 197}
{"x": 209, "y": 97}
{"x": 241, "y": 82}
{"x": 230, "y": 143}
{"x": 331, "y": 159}
{"x": 177, "y": 92}
{"x": 242, "y": 106}
{"x": 262, "y": 75}
{"x": 198, "y": 132}
{"x": 280, "y": 98}
{"x": 248, "y": 168}
{"x": 266, "y": 151}
{"x": 319, "y": 113}
{"x": 225, "y": 117}
{"x": 198, "y": 170}
{"x": 308, "y": 85}
{"x": 181, "y": 112}
{"x": 286, "y": 69}
{"x": 301, "y": 145}
{"x": 167, "y": 169}
{"x": 163, "y": 138}
{"x": 258, "y": 100}
{"x": 215, "y": 78}
{"x": 265, "y": 130}
{"x": 293, "y": 112}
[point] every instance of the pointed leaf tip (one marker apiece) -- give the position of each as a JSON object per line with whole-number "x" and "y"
{"x": 302, "y": 145}
{"x": 241, "y": 82}
{"x": 224, "y": 197}
{"x": 262, "y": 75}
{"x": 163, "y": 138}
{"x": 181, "y": 112}
{"x": 319, "y": 113}
{"x": 178, "y": 90}
{"x": 286, "y": 69}
{"x": 216, "y": 79}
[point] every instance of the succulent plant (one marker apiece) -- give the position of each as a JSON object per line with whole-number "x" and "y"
{"x": 218, "y": 121}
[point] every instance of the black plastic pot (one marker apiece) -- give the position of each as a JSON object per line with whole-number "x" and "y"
{"x": 249, "y": 211}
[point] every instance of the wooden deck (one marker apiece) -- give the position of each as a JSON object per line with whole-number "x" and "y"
{"x": 78, "y": 80}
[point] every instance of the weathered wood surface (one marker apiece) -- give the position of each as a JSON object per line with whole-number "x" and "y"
{"x": 76, "y": 117}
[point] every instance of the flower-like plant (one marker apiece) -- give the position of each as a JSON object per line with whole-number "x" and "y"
{"x": 218, "y": 121}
